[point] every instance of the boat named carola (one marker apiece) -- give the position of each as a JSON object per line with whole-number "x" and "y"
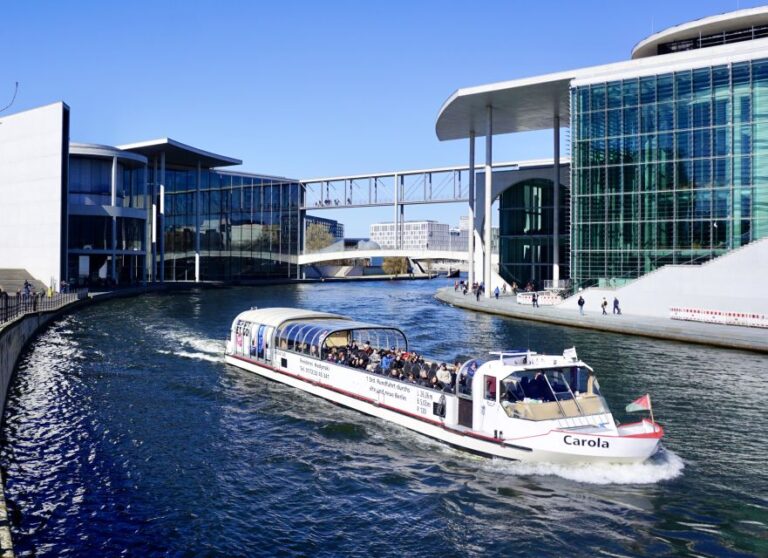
{"x": 515, "y": 404}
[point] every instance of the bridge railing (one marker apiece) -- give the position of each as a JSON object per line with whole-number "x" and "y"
{"x": 438, "y": 185}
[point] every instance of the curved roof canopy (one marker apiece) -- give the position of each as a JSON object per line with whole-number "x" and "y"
{"x": 275, "y": 317}
{"x": 519, "y": 105}
{"x": 177, "y": 153}
{"x": 731, "y": 21}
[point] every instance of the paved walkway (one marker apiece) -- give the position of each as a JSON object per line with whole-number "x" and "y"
{"x": 733, "y": 337}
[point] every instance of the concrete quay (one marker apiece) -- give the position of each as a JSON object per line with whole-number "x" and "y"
{"x": 731, "y": 337}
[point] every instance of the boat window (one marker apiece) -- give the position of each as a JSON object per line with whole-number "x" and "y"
{"x": 490, "y": 387}
{"x": 465, "y": 375}
{"x": 511, "y": 389}
{"x": 550, "y": 384}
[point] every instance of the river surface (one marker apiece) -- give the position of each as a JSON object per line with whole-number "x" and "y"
{"x": 125, "y": 434}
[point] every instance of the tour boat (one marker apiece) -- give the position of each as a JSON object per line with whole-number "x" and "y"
{"x": 516, "y": 404}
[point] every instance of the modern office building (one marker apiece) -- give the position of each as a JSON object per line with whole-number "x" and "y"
{"x": 416, "y": 235}
{"x": 334, "y": 229}
{"x": 668, "y": 151}
{"x": 150, "y": 211}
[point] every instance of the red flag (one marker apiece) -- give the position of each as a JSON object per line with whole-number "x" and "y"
{"x": 640, "y": 404}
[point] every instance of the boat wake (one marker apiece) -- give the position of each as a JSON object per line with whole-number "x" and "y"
{"x": 186, "y": 345}
{"x": 663, "y": 466}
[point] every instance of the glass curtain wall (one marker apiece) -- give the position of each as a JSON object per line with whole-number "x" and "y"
{"x": 667, "y": 169}
{"x": 525, "y": 232}
{"x": 248, "y": 225}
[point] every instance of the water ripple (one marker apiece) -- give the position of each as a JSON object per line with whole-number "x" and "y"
{"x": 126, "y": 434}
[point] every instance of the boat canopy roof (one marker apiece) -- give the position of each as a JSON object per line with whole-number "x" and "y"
{"x": 304, "y": 328}
{"x": 278, "y": 316}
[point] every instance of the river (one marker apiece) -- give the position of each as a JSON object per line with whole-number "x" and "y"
{"x": 126, "y": 434}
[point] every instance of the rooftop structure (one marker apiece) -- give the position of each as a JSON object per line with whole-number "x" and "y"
{"x": 666, "y": 150}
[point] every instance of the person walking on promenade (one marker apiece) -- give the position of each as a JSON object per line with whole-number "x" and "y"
{"x": 581, "y": 305}
{"x": 604, "y": 305}
{"x": 616, "y": 309}
{"x": 535, "y": 300}
{"x": 477, "y": 293}
{"x": 496, "y": 292}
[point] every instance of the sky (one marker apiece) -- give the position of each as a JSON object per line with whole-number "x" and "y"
{"x": 308, "y": 89}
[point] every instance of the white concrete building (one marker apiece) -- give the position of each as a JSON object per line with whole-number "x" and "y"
{"x": 413, "y": 235}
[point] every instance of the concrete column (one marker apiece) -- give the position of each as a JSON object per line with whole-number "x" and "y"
{"x": 396, "y": 232}
{"x": 153, "y": 223}
{"x": 471, "y": 247}
{"x": 556, "y": 204}
{"x": 197, "y": 223}
{"x": 488, "y": 200}
{"x": 161, "y": 217}
{"x": 147, "y": 241}
{"x": 113, "y": 203}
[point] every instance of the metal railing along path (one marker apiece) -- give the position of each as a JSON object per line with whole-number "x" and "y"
{"x": 13, "y": 306}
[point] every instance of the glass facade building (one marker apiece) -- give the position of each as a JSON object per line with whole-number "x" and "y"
{"x": 667, "y": 169}
{"x": 525, "y": 232}
{"x": 107, "y": 216}
{"x": 243, "y": 226}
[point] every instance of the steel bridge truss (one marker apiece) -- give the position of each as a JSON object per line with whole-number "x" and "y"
{"x": 438, "y": 185}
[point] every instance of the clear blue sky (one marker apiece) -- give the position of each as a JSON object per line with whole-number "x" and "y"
{"x": 308, "y": 89}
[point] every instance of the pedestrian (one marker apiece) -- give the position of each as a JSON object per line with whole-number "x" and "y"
{"x": 616, "y": 309}
{"x": 504, "y": 288}
{"x": 535, "y": 299}
{"x": 455, "y": 286}
{"x": 604, "y": 305}
{"x": 581, "y": 305}
{"x": 496, "y": 292}
{"x": 477, "y": 294}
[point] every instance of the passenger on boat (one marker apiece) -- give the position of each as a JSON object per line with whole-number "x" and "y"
{"x": 539, "y": 389}
{"x": 444, "y": 377}
{"x": 386, "y": 362}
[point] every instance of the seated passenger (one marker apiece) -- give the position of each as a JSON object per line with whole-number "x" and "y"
{"x": 539, "y": 389}
{"x": 444, "y": 377}
{"x": 514, "y": 392}
{"x": 386, "y": 361}
{"x": 313, "y": 351}
{"x": 434, "y": 383}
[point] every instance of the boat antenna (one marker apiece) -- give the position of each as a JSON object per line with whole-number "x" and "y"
{"x": 15, "y": 91}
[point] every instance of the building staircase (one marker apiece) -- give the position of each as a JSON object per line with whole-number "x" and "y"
{"x": 12, "y": 280}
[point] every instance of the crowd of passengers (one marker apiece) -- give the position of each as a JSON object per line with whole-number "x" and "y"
{"x": 395, "y": 364}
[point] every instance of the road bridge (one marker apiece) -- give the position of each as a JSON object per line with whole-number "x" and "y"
{"x": 319, "y": 257}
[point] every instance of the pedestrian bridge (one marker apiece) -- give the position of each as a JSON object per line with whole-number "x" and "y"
{"x": 319, "y": 257}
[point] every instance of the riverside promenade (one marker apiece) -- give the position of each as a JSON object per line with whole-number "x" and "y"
{"x": 732, "y": 337}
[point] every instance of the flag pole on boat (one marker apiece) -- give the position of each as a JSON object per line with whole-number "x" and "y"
{"x": 641, "y": 404}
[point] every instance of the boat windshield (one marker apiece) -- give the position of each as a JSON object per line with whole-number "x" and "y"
{"x": 550, "y": 384}
{"x": 550, "y": 393}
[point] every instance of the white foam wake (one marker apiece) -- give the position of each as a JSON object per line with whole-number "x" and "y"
{"x": 193, "y": 355}
{"x": 663, "y": 466}
{"x": 187, "y": 345}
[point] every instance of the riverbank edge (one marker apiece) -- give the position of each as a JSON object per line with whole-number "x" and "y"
{"x": 663, "y": 329}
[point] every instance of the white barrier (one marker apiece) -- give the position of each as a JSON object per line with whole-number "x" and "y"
{"x": 719, "y": 317}
{"x": 546, "y": 298}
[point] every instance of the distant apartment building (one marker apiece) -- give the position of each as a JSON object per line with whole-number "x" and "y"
{"x": 414, "y": 235}
{"x": 332, "y": 227}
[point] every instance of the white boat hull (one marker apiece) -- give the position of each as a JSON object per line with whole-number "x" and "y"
{"x": 410, "y": 406}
